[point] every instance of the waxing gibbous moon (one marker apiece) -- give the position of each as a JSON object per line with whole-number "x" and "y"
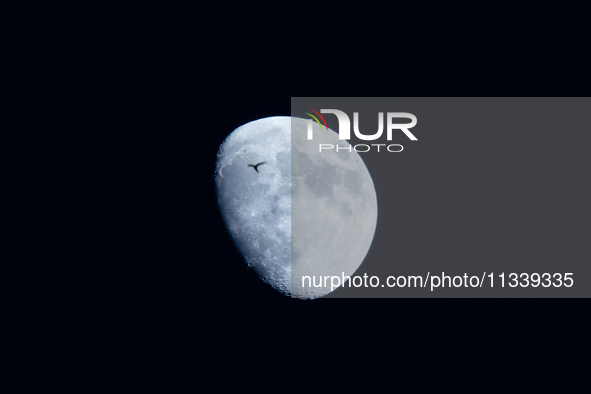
{"x": 295, "y": 213}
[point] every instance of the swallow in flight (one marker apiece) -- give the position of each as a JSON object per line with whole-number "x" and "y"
{"x": 256, "y": 165}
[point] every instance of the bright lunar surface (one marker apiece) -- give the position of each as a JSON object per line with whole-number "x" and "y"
{"x": 292, "y": 211}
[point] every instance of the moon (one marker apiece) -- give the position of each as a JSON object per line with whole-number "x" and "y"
{"x": 300, "y": 216}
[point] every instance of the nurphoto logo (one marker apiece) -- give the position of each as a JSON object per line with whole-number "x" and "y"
{"x": 345, "y": 129}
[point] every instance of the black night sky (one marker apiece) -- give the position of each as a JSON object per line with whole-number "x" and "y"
{"x": 124, "y": 263}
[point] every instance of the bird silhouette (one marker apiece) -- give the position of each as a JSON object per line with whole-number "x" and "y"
{"x": 256, "y": 165}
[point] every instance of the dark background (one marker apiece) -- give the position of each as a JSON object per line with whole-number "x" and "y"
{"x": 123, "y": 272}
